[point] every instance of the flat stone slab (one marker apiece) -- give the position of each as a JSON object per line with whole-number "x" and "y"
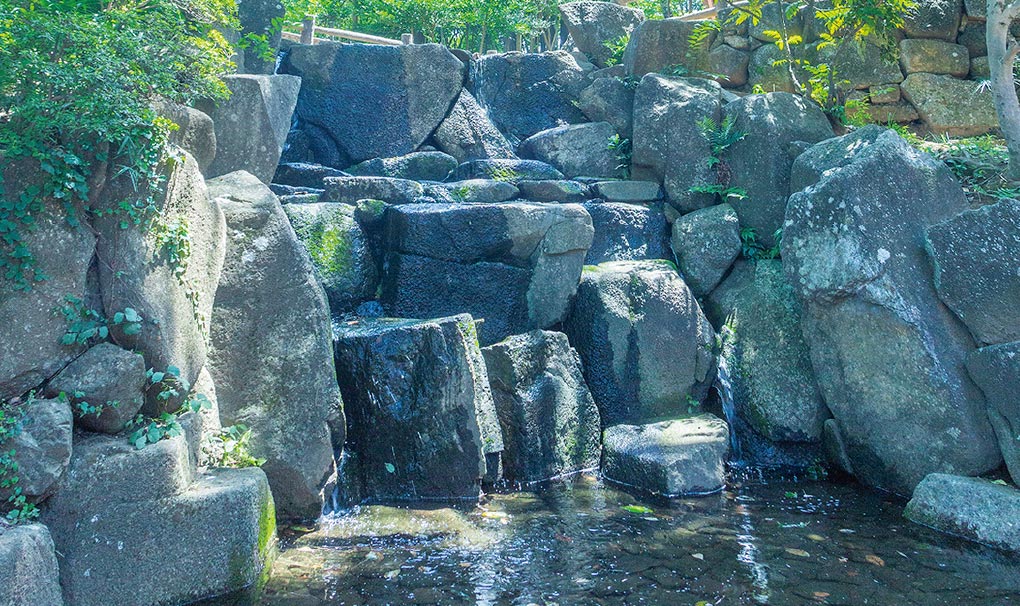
{"x": 670, "y": 458}
{"x": 631, "y": 192}
{"x": 971, "y": 508}
{"x": 349, "y": 190}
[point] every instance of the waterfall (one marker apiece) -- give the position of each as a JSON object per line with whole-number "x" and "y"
{"x": 724, "y": 388}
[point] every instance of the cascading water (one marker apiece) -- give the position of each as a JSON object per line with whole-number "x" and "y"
{"x": 724, "y": 388}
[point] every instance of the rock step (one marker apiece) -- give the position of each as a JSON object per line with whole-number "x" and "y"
{"x": 971, "y": 508}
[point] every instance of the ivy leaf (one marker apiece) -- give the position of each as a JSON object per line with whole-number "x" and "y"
{"x": 390, "y": 468}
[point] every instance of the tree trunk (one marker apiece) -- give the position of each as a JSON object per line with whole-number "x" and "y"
{"x": 1002, "y": 54}
{"x": 667, "y": 10}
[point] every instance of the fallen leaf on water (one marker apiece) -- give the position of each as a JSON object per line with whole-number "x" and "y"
{"x": 495, "y": 515}
{"x": 373, "y": 555}
{"x": 798, "y": 552}
{"x": 465, "y": 564}
{"x": 636, "y": 509}
{"x": 820, "y": 596}
{"x": 1000, "y": 482}
{"x": 702, "y": 603}
{"x": 874, "y": 559}
{"x": 698, "y": 556}
{"x": 392, "y": 574}
{"x": 816, "y": 537}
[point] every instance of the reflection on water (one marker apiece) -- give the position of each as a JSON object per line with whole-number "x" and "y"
{"x": 573, "y": 543}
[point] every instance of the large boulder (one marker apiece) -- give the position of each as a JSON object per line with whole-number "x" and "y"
{"x": 977, "y": 269}
{"x": 934, "y": 57}
{"x": 774, "y": 386}
{"x": 760, "y": 162}
{"x": 863, "y": 67}
{"x": 669, "y": 145}
{"x": 889, "y": 358}
{"x": 970, "y": 508}
{"x": 959, "y": 108}
{"x": 31, "y": 339}
{"x": 575, "y": 149}
{"x": 473, "y": 191}
{"x": 513, "y": 265}
{"x": 301, "y": 174}
{"x": 594, "y": 24}
{"x": 627, "y": 232}
{"x": 706, "y": 242}
{"x": 271, "y": 346}
{"x": 415, "y": 405}
{"x": 468, "y": 134}
{"x": 174, "y": 300}
{"x": 28, "y": 567}
{"x": 938, "y": 19}
{"x": 251, "y": 126}
{"x": 340, "y": 251}
{"x": 42, "y": 448}
{"x": 195, "y": 134}
{"x": 417, "y": 166}
{"x": 996, "y": 370}
{"x": 105, "y": 385}
{"x": 644, "y": 340}
{"x": 260, "y": 18}
{"x": 672, "y": 458}
{"x": 528, "y": 93}
{"x": 554, "y": 190}
{"x": 550, "y": 422}
{"x": 610, "y": 100}
{"x": 661, "y": 43}
{"x": 373, "y": 101}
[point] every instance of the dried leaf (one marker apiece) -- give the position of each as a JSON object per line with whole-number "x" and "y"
{"x": 874, "y": 559}
{"x": 798, "y": 552}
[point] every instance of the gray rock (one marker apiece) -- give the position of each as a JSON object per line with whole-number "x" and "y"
{"x": 728, "y": 66}
{"x": 902, "y": 112}
{"x": 627, "y": 232}
{"x": 593, "y": 24}
{"x": 271, "y": 343}
{"x": 557, "y": 190}
{"x": 970, "y": 508}
{"x": 418, "y": 166}
{"x": 528, "y": 93}
{"x": 996, "y": 370}
{"x": 339, "y": 250}
{"x": 349, "y": 190}
{"x": 934, "y": 57}
{"x": 934, "y": 19}
{"x": 863, "y": 67}
{"x": 672, "y": 458}
{"x": 610, "y": 100}
{"x": 468, "y": 134}
{"x": 549, "y": 419}
{"x": 706, "y": 242}
{"x": 260, "y": 18}
{"x": 668, "y": 143}
{"x": 252, "y": 126}
{"x": 105, "y": 377}
{"x": 760, "y": 163}
{"x": 629, "y": 192}
{"x": 195, "y": 134}
{"x": 976, "y": 10}
{"x": 296, "y": 194}
{"x": 28, "y": 567}
{"x": 977, "y": 269}
{"x": 645, "y": 344}
{"x": 42, "y": 448}
{"x": 774, "y": 386}
{"x": 511, "y": 171}
{"x": 888, "y": 357}
{"x": 301, "y": 174}
{"x": 473, "y": 191}
{"x": 575, "y": 149}
{"x": 31, "y": 350}
{"x": 374, "y": 101}
{"x": 959, "y": 108}
{"x": 767, "y": 70}
{"x": 979, "y": 69}
{"x": 974, "y": 38}
{"x": 175, "y": 306}
{"x": 413, "y": 405}
{"x": 661, "y": 43}
{"x": 515, "y": 265}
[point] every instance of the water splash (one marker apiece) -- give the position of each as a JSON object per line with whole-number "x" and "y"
{"x": 724, "y": 388}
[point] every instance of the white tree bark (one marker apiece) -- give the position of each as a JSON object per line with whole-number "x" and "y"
{"x": 1002, "y": 54}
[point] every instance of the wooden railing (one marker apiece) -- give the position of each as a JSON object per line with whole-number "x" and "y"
{"x": 710, "y": 13}
{"x": 313, "y": 34}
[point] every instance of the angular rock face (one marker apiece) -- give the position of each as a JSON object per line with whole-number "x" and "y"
{"x": 42, "y": 448}
{"x": 414, "y": 402}
{"x": 115, "y": 494}
{"x": 669, "y": 146}
{"x": 610, "y": 100}
{"x": 971, "y": 508}
{"x": 760, "y": 162}
{"x": 888, "y": 356}
{"x": 528, "y": 93}
{"x": 774, "y": 386}
{"x": 300, "y": 174}
{"x": 996, "y": 370}
{"x": 550, "y": 422}
{"x": 977, "y": 269}
{"x": 271, "y": 348}
{"x": 959, "y": 108}
{"x": 558, "y": 190}
{"x": 196, "y": 133}
{"x": 934, "y": 19}
{"x": 252, "y": 126}
{"x": 661, "y": 43}
{"x": 627, "y": 232}
{"x": 31, "y": 349}
{"x": 419, "y": 166}
{"x": 628, "y": 192}
{"x": 934, "y": 57}
{"x": 867, "y": 68}
{"x": 510, "y": 171}
{"x": 706, "y": 243}
{"x": 575, "y": 150}
{"x": 593, "y": 24}
{"x": 351, "y": 190}
{"x": 473, "y": 191}
{"x": 339, "y": 250}
{"x": 28, "y": 567}
{"x": 671, "y": 458}
{"x": 513, "y": 265}
{"x": 106, "y": 378}
{"x": 372, "y": 101}
{"x": 175, "y": 307}
{"x": 645, "y": 343}
{"x": 468, "y": 134}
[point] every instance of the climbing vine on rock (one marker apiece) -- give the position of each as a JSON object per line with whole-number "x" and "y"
{"x": 16, "y": 509}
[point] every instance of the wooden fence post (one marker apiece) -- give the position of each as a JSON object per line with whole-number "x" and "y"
{"x": 406, "y": 39}
{"x": 308, "y": 30}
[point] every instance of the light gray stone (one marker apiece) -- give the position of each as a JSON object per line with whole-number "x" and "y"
{"x": 557, "y": 190}
{"x": 468, "y": 134}
{"x": 996, "y": 370}
{"x": 510, "y": 171}
{"x": 105, "y": 377}
{"x": 350, "y": 190}
{"x": 610, "y": 100}
{"x": 934, "y": 57}
{"x": 28, "y": 567}
{"x": 628, "y": 192}
{"x": 959, "y": 108}
{"x": 417, "y": 166}
{"x": 706, "y": 242}
{"x": 575, "y": 150}
{"x": 934, "y": 19}
{"x": 593, "y": 24}
{"x": 970, "y": 508}
{"x": 473, "y": 191}
{"x": 661, "y": 43}
{"x": 41, "y": 446}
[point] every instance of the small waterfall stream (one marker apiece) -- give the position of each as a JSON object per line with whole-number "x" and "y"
{"x": 724, "y": 388}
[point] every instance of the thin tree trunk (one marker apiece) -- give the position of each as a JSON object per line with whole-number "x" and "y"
{"x": 667, "y": 10}
{"x": 1002, "y": 53}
